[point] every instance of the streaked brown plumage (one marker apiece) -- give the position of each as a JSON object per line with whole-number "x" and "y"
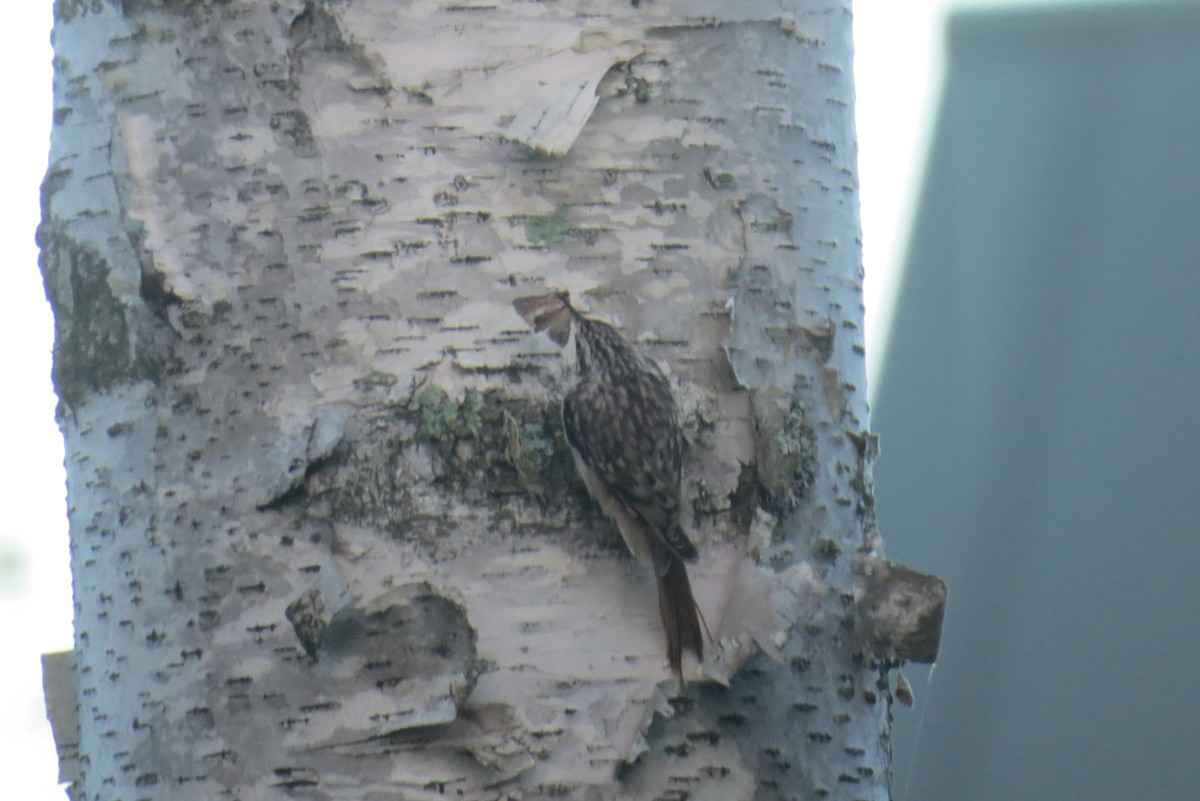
{"x": 623, "y": 428}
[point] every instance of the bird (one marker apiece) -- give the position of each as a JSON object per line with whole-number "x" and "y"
{"x": 622, "y": 424}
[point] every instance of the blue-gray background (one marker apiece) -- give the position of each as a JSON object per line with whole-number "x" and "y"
{"x": 1038, "y": 410}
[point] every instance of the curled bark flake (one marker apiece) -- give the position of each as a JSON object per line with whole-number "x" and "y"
{"x": 903, "y": 610}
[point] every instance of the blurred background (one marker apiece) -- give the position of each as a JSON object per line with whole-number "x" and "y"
{"x": 1038, "y": 408}
{"x": 1030, "y": 180}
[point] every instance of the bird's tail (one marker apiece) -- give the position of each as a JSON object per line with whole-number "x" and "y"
{"x": 679, "y": 612}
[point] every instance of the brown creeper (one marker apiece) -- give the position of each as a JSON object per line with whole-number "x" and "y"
{"x": 621, "y": 423}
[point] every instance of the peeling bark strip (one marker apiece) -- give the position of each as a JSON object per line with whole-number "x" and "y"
{"x": 326, "y": 538}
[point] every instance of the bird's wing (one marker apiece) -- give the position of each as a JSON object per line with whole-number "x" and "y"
{"x": 633, "y": 447}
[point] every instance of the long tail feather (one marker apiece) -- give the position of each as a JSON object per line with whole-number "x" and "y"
{"x": 679, "y": 612}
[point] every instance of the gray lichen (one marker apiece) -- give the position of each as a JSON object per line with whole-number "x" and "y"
{"x": 483, "y": 445}
{"x": 96, "y": 346}
{"x": 787, "y": 455}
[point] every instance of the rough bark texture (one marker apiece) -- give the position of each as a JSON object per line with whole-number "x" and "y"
{"x": 326, "y": 537}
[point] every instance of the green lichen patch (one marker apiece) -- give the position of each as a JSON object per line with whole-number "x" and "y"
{"x": 480, "y": 449}
{"x": 442, "y": 416}
{"x": 550, "y": 229}
{"x": 492, "y": 446}
{"x": 641, "y": 89}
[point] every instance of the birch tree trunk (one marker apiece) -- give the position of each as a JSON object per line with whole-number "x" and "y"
{"x": 326, "y": 537}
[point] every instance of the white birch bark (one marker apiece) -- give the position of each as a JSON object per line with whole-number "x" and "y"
{"x": 326, "y": 539}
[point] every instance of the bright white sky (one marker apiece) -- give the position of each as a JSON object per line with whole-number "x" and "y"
{"x": 898, "y": 48}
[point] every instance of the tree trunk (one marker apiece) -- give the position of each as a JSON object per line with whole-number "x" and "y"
{"x": 326, "y": 536}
